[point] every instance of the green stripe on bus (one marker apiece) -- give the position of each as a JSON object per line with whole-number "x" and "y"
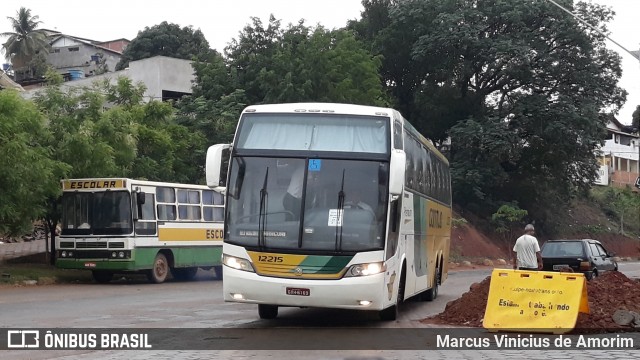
{"x": 142, "y": 259}
{"x": 316, "y": 264}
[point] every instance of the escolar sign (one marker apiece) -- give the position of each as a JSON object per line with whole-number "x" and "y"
{"x": 536, "y": 301}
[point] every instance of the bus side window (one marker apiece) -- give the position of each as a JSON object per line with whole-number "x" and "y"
{"x": 397, "y": 135}
{"x": 212, "y": 206}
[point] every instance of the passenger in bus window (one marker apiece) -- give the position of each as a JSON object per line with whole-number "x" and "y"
{"x": 292, "y": 200}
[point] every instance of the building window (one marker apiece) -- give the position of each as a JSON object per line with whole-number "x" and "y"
{"x": 76, "y": 48}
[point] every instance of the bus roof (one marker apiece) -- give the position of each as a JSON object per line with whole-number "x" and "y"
{"x": 345, "y": 109}
{"x": 334, "y": 108}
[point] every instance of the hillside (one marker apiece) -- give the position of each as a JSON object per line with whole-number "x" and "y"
{"x": 584, "y": 219}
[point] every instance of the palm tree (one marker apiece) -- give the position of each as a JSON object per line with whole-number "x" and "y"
{"x": 25, "y": 41}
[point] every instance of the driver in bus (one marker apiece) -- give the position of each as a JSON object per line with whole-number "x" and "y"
{"x": 354, "y": 200}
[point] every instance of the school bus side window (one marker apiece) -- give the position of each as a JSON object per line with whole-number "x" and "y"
{"x": 166, "y": 198}
{"x": 212, "y": 206}
{"x": 146, "y": 224}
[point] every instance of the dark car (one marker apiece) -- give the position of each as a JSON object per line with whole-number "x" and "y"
{"x": 585, "y": 255}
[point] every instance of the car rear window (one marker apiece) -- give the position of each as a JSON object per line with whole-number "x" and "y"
{"x": 563, "y": 248}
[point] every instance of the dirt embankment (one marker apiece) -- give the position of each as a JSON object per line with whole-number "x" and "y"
{"x": 469, "y": 243}
{"x": 608, "y": 293}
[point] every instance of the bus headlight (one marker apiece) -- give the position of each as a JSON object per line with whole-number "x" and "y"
{"x": 64, "y": 254}
{"x": 365, "y": 269}
{"x": 237, "y": 263}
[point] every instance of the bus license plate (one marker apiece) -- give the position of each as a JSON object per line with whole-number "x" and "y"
{"x": 560, "y": 267}
{"x": 298, "y": 291}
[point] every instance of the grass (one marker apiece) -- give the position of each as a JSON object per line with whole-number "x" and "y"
{"x": 43, "y": 274}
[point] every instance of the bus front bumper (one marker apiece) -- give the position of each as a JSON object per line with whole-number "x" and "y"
{"x": 359, "y": 293}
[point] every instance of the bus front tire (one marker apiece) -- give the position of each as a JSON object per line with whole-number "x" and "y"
{"x": 267, "y": 311}
{"x": 160, "y": 269}
{"x": 391, "y": 313}
{"x": 102, "y": 276}
{"x": 184, "y": 274}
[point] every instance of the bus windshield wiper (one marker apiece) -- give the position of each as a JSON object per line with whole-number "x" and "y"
{"x": 262, "y": 215}
{"x": 340, "y": 215}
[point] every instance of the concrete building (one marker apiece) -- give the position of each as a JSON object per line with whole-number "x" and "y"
{"x": 165, "y": 78}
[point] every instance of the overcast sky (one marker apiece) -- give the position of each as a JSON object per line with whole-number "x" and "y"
{"x": 221, "y": 21}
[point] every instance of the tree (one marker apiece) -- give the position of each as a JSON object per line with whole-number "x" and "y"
{"x": 505, "y": 219}
{"x": 525, "y": 74}
{"x": 25, "y": 41}
{"x": 28, "y": 175}
{"x": 168, "y": 40}
{"x": 302, "y": 63}
{"x": 636, "y": 118}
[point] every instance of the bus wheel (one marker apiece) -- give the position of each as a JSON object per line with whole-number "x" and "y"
{"x": 160, "y": 269}
{"x": 432, "y": 293}
{"x": 184, "y": 274}
{"x": 391, "y": 313}
{"x": 101, "y": 276}
{"x": 267, "y": 311}
{"x": 218, "y": 270}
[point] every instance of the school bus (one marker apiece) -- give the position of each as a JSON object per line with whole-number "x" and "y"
{"x": 118, "y": 225}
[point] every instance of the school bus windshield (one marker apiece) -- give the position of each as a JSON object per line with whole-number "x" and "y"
{"x": 98, "y": 213}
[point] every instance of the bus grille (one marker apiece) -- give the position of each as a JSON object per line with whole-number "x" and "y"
{"x": 91, "y": 245}
{"x": 88, "y": 254}
{"x": 66, "y": 244}
{"x": 116, "y": 245}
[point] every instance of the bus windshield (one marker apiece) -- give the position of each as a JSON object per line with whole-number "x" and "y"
{"x": 322, "y": 205}
{"x": 315, "y": 132}
{"x": 97, "y": 213}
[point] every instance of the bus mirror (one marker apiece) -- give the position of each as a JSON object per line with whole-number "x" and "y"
{"x": 216, "y": 165}
{"x": 396, "y": 172}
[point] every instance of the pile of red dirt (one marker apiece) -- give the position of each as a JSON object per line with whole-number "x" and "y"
{"x": 608, "y": 293}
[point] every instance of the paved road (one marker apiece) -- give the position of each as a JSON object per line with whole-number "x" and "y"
{"x": 136, "y": 304}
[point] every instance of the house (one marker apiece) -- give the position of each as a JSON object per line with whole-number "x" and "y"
{"x": 75, "y": 57}
{"x": 164, "y": 77}
{"x": 83, "y": 57}
{"x": 619, "y": 157}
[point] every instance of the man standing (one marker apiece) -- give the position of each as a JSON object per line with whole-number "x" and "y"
{"x": 527, "y": 251}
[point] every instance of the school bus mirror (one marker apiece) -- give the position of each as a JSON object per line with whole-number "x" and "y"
{"x": 396, "y": 171}
{"x": 141, "y": 196}
{"x": 215, "y": 165}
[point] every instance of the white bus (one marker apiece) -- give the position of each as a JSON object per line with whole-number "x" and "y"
{"x": 331, "y": 205}
{"x": 120, "y": 225}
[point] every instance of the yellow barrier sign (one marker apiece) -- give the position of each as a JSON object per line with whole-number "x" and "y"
{"x": 535, "y": 301}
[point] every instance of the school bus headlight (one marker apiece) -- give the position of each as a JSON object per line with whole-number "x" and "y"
{"x": 365, "y": 269}
{"x": 237, "y": 263}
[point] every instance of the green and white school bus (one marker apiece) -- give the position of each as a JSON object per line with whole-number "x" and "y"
{"x": 332, "y": 205}
{"x": 121, "y": 225}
